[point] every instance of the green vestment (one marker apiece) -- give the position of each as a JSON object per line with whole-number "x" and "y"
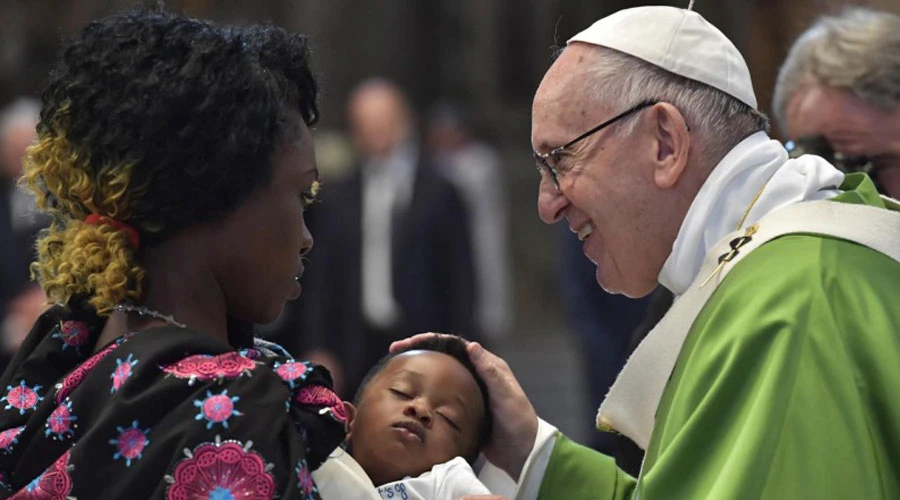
{"x": 787, "y": 386}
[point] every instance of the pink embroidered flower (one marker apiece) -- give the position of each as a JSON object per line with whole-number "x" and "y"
{"x": 22, "y": 397}
{"x": 122, "y": 372}
{"x": 10, "y": 437}
{"x": 205, "y": 367}
{"x": 77, "y": 376}
{"x": 60, "y": 422}
{"x": 305, "y": 480}
{"x": 217, "y": 408}
{"x": 316, "y": 395}
{"x": 130, "y": 443}
{"x": 73, "y": 334}
{"x": 292, "y": 371}
{"x": 221, "y": 471}
{"x": 53, "y": 484}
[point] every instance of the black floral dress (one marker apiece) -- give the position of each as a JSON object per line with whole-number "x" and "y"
{"x": 164, "y": 413}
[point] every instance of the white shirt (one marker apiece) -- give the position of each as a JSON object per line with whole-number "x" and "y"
{"x": 342, "y": 478}
{"x": 387, "y": 186}
{"x": 447, "y": 481}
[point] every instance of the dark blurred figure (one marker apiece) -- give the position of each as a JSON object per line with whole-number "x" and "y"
{"x": 21, "y": 301}
{"x": 838, "y": 93}
{"x": 603, "y": 323}
{"x": 473, "y": 166}
{"x": 392, "y": 253}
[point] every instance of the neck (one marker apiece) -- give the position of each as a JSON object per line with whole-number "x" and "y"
{"x": 180, "y": 283}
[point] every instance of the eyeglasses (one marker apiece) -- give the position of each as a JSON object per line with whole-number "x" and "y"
{"x": 546, "y": 162}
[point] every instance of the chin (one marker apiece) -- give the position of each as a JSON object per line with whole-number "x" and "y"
{"x": 632, "y": 291}
{"x": 272, "y": 314}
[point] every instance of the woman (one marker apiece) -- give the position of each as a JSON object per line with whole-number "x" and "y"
{"x": 176, "y": 160}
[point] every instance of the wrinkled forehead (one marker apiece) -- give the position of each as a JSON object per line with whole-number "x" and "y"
{"x": 563, "y": 106}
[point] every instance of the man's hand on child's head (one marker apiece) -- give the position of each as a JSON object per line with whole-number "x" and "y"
{"x": 515, "y": 421}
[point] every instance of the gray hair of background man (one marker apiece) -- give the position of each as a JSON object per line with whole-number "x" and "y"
{"x": 720, "y": 120}
{"x": 857, "y": 49}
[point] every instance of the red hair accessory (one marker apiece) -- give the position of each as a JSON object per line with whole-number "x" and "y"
{"x": 97, "y": 219}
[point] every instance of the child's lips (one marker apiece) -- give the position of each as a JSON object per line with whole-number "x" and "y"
{"x": 410, "y": 429}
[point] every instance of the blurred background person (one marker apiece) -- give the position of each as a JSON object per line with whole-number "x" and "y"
{"x": 393, "y": 252}
{"x": 21, "y": 301}
{"x": 838, "y": 93}
{"x": 473, "y": 166}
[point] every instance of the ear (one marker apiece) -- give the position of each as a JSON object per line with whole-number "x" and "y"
{"x": 673, "y": 143}
{"x": 350, "y": 411}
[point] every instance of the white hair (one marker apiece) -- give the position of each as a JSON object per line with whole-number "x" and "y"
{"x": 718, "y": 119}
{"x": 24, "y": 111}
{"x": 858, "y": 50}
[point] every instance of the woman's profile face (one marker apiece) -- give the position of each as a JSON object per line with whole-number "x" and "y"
{"x": 258, "y": 259}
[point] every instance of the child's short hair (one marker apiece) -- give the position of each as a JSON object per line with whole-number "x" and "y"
{"x": 451, "y": 346}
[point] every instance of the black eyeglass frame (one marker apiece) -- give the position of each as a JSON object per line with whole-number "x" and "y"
{"x": 542, "y": 159}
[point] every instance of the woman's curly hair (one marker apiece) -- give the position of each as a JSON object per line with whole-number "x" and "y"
{"x": 161, "y": 122}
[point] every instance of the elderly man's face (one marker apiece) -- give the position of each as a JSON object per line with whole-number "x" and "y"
{"x": 852, "y": 127}
{"x": 606, "y": 188}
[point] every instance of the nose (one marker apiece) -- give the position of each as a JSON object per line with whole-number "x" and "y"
{"x": 306, "y": 243}
{"x": 417, "y": 409}
{"x": 551, "y": 202}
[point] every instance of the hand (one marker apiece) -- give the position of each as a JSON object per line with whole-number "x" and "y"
{"x": 515, "y": 421}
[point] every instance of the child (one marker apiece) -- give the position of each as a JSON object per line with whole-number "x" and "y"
{"x": 419, "y": 420}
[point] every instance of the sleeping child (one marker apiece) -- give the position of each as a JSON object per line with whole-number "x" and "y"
{"x": 418, "y": 422}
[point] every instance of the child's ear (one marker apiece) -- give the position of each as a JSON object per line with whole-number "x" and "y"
{"x": 350, "y": 411}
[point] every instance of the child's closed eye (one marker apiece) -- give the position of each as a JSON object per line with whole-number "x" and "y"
{"x": 450, "y": 422}
{"x": 400, "y": 394}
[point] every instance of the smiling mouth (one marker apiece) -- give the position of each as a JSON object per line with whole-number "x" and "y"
{"x": 585, "y": 231}
{"x": 412, "y": 428}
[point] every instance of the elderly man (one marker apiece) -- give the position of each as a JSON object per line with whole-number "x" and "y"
{"x": 841, "y": 84}
{"x": 774, "y": 374}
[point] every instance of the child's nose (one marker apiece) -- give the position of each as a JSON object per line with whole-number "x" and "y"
{"x": 418, "y": 410}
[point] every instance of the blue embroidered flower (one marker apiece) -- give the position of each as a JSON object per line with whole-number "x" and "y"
{"x": 9, "y": 438}
{"x": 60, "y": 422}
{"x": 130, "y": 442}
{"x": 22, "y": 397}
{"x": 292, "y": 371}
{"x": 217, "y": 408}
{"x": 72, "y": 334}
{"x": 122, "y": 372}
